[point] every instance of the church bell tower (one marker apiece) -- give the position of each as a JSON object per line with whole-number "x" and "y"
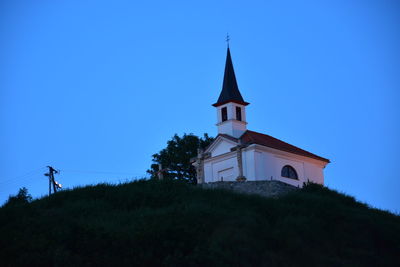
{"x": 231, "y": 108}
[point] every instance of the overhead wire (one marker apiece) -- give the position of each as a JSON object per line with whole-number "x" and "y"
{"x": 29, "y": 175}
{"x": 101, "y": 172}
{"x": 20, "y": 176}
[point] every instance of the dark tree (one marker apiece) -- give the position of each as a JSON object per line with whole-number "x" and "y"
{"x": 21, "y": 198}
{"x": 175, "y": 158}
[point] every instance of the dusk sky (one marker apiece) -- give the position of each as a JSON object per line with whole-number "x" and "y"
{"x": 94, "y": 88}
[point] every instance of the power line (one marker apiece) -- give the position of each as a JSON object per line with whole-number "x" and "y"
{"x": 25, "y": 179}
{"x": 101, "y": 172}
{"x": 21, "y": 176}
{"x": 36, "y": 172}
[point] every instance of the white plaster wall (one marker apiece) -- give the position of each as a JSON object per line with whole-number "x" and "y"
{"x": 219, "y": 115}
{"x": 208, "y": 174}
{"x": 231, "y": 111}
{"x": 262, "y": 165}
{"x": 226, "y": 175}
{"x": 314, "y": 173}
{"x": 222, "y": 148}
{"x": 248, "y": 165}
{"x": 270, "y": 166}
{"x": 231, "y": 127}
{"x": 280, "y": 162}
{"x": 212, "y": 168}
{"x": 260, "y": 162}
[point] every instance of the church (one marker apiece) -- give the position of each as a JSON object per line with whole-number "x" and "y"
{"x": 238, "y": 154}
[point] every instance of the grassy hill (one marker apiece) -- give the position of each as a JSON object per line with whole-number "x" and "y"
{"x": 150, "y": 223}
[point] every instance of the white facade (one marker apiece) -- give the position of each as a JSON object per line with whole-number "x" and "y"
{"x": 231, "y": 126}
{"x": 259, "y": 163}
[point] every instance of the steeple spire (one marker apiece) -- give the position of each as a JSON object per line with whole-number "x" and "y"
{"x": 230, "y": 106}
{"x": 230, "y": 90}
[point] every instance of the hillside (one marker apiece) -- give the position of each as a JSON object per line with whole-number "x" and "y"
{"x": 150, "y": 223}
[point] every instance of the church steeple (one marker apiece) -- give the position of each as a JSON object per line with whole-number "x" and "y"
{"x": 230, "y": 106}
{"x": 230, "y": 90}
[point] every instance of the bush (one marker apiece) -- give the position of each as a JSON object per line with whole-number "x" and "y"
{"x": 23, "y": 197}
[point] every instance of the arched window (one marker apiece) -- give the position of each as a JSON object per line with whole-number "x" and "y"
{"x": 289, "y": 172}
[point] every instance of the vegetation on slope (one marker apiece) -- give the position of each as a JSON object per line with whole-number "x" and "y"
{"x": 150, "y": 223}
{"x": 175, "y": 158}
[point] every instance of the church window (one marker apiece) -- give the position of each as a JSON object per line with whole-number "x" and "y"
{"x": 224, "y": 113}
{"x": 289, "y": 172}
{"x": 238, "y": 113}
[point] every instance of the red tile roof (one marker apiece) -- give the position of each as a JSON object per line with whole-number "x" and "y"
{"x": 250, "y": 137}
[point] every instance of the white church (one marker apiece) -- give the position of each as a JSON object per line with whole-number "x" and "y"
{"x": 238, "y": 154}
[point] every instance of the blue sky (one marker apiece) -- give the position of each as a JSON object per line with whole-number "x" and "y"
{"x": 94, "y": 88}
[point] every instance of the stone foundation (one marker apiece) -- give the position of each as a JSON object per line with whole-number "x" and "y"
{"x": 262, "y": 188}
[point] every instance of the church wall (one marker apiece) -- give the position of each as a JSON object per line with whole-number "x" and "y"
{"x": 224, "y": 168}
{"x": 256, "y": 165}
{"x": 248, "y": 165}
{"x": 269, "y": 166}
{"x": 297, "y": 165}
{"x": 207, "y": 172}
{"x": 231, "y": 127}
{"x": 314, "y": 173}
{"x": 260, "y": 161}
{"x": 266, "y": 165}
{"x": 260, "y": 164}
{"x": 231, "y": 111}
{"x": 222, "y": 148}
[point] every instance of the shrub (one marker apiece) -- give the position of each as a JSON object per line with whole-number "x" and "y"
{"x": 22, "y": 197}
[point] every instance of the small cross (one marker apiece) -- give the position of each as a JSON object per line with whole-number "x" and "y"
{"x": 227, "y": 39}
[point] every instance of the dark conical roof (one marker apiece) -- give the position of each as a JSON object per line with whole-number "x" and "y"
{"x": 230, "y": 91}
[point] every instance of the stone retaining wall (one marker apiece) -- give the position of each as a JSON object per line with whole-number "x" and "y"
{"x": 262, "y": 188}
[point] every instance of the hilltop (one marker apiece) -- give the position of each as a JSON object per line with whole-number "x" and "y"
{"x": 150, "y": 223}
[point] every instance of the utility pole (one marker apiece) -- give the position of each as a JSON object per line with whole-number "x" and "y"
{"x": 50, "y": 174}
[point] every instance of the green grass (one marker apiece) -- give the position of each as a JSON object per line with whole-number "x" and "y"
{"x": 150, "y": 223}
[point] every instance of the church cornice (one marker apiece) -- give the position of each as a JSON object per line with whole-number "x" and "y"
{"x": 231, "y": 120}
{"x": 221, "y": 157}
{"x": 231, "y": 101}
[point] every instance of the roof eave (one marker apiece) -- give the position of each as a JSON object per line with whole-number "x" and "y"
{"x": 311, "y": 155}
{"x": 327, "y": 161}
{"x": 233, "y": 101}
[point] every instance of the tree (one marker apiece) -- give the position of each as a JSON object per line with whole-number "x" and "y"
{"x": 22, "y": 197}
{"x": 175, "y": 158}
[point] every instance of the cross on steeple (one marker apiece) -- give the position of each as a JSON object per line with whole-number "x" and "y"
{"x": 227, "y": 39}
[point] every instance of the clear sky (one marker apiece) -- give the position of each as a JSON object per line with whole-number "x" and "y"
{"x": 94, "y": 88}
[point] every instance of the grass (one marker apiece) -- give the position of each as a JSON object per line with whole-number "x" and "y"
{"x": 151, "y": 223}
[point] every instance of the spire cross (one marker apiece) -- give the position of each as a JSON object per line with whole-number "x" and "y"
{"x": 227, "y": 39}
